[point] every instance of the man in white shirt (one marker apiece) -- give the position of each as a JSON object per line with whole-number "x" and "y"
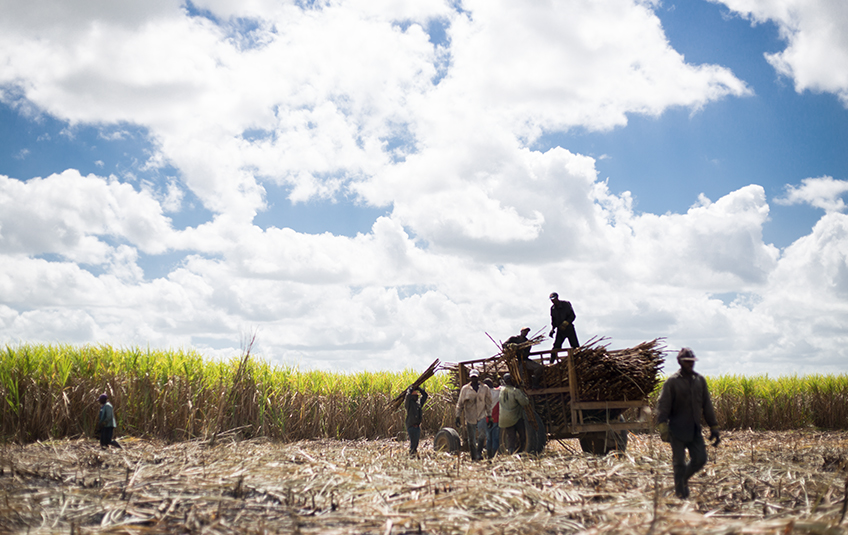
{"x": 475, "y": 405}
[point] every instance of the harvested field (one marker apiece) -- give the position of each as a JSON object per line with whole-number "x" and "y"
{"x": 755, "y": 482}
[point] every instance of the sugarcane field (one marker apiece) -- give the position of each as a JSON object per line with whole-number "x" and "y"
{"x": 769, "y": 482}
{"x": 242, "y": 447}
{"x": 424, "y": 267}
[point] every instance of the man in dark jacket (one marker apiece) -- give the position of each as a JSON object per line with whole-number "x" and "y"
{"x": 562, "y": 321}
{"x": 106, "y": 423}
{"x": 684, "y": 400}
{"x": 414, "y": 415}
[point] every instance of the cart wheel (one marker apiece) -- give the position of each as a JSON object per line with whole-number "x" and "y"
{"x": 603, "y": 442}
{"x": 447, "y": 439}
{"x": 541, "y": 436}
{"x": 535, "y": 439}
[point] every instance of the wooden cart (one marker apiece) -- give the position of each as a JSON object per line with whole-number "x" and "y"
{"x": 559, "y": 409}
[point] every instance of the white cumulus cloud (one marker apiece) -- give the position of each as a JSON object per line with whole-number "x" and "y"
{"x": 816, "y": 55}
{"x": 822, "y": 192}
{"x": 351, "y": 101}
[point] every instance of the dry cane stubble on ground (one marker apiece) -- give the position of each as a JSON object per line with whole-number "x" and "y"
{"x": 755, "y": 482}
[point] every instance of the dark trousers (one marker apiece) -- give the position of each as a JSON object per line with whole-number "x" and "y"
{"x": 515, "y": 436}
{"x": 476, "y": 439}
{"x": 414, "y": 433}
{"x": 566, "y": 332}
{"x": 493, "y": 440}
{"x": 106, "y": 438}
{"x": 683, "y": 470}
{"x": 535, "y": 370}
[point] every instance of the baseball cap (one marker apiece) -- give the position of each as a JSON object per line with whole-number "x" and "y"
{"x": 102, "y": 397}
{"x": 686, "y": 354}
{"x": 553, "y": 294}
{"x": 473, "y": 373}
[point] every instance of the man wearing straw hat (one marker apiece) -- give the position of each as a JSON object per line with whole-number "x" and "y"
{"x": 475, "y": 404}
{"x": 684, "y": 400}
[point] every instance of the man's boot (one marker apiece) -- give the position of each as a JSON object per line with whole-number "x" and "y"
{"x": 680, "y": 489}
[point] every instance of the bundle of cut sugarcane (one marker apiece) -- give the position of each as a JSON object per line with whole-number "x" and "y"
{"x": 624, "y": 374}
{"x": 523, "y": 345}
{"x": 398, "y": 400}
{"x": 510, "y": 353}
{"x": 519, "y": 374}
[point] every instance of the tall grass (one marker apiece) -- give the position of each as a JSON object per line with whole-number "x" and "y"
{"x": 49, "y": 391}
{"x": 779, "y": 403}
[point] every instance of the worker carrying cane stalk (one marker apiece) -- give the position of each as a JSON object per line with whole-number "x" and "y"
{"x": 684, "y": 401}
{"x": 414, "y": 402}
{"x": 521, "y": 348}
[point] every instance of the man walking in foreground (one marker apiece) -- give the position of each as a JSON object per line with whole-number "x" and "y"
{"x": 684, "y": 400}
{"x": 475, "y": 404}
{"x": 562, "y": 321}
{"x": 107, "y": 423}
{"x": 414, "y": 415}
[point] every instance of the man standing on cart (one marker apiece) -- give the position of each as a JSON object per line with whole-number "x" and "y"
{"x": 562, "y": 322}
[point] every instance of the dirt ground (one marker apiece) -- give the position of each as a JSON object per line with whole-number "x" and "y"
{"x": 755, "y": 482}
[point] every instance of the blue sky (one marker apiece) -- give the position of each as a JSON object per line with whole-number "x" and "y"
{"x": 370, "y": 186}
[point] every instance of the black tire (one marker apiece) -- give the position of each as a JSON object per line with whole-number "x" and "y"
{"x": 535, "y": 438}
{"x": 541, "y": 436}
{"x": 447, "y": 439}
{"x": 530, "y": 439}
{"x": 521, "y": 439}
{"x": 603, "y": 442}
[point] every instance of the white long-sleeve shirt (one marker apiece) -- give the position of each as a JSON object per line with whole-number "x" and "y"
{"x": 474, "y": 406}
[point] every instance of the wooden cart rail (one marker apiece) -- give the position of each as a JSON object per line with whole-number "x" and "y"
{"x": 607, "y": 404}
